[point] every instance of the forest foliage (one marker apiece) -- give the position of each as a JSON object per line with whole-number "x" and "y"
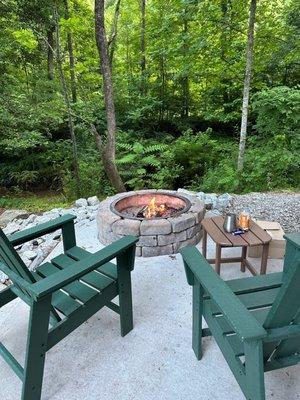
{"x": 178, "y": 83}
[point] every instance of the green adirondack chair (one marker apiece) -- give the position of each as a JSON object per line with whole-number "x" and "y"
{"x": 89, "y": 282}
{"x": 255, "y": 321}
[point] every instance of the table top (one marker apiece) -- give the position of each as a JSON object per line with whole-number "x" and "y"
{"x": 254, "y": 237}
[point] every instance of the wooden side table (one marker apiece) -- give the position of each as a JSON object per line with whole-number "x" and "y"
{"x": 256, "y": 236}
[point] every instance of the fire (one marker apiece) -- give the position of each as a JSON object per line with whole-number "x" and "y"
{"x": 154, "y": 210}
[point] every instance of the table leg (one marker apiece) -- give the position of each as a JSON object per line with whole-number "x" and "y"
{"x": 204, "y": 243}
{"x": 264, "y": 259}
{"x": 218, "y": 259}
{"x": 244, "y": 255}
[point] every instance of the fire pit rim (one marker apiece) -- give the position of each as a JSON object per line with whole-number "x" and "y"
{"x": 166, "y": 193}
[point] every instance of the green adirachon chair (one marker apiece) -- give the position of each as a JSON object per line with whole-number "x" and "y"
{"x": 63, "y": 293}
{"x": 255, "y": 321}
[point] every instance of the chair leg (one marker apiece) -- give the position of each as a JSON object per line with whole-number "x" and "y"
{"x": 244, "y": 255}
{"x": 197, "y": 319}
{"x": 218, "y": 259}
{"x": 36, "y": 349}
{"x": 125, "y": 301}
{"x": 254, "y": 370}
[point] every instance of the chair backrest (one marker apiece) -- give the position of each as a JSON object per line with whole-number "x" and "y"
{"x": 12, "y": 260}
{"x": 285, "y": 310}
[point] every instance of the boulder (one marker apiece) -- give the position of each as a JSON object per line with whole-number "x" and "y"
{"x": 30, "y": 254}
{"x": 93, "y": 201}
{"x": 81, "y": 203}
{"x": 10, "y": 215}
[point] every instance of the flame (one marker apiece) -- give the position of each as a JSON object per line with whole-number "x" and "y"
{"x": 153, "y": 209}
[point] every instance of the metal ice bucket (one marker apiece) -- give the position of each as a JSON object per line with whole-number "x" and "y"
{"x": 229, "y": 222}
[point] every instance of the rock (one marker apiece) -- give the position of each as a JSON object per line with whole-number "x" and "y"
{"x": 2, "y": 286}
{"x": 10, "y": 215}
{"x": 126, "y": 227}
{"x": 188, "y": 192}
{"x": 93, "y": 201}
{"x": 138, "y": 251}
{"x": 171, "y": 238}
{"x": 37, "y": 242}
{"x": 212, "y": 213}
{"x": 183, "y": 222}
{"x": 147, "y": 241}
{"x": 157, "y": 251}
{"x": 210, "y": 200}
{"x": 201, "y": 196}
{"x": 30, "y": 254}
{"x": 155, "y": 227}
{"x": 223, "y": 201}
{"x": 29, "y": 220}
{"x": 191, "y": 232}
{"x": 11, "y": 228}
{"x": 51, "y": 214}
{"x": 81, "y": 203}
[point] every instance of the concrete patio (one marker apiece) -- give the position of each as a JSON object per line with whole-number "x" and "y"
{"x": 154, "y": 362}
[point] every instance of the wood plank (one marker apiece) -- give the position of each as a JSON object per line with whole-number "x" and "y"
{"x": 60, "y": 300}
{"x": 251, "y": 239}
{"x": 283, "y": 362}
{"x": 78, "y": 317}
{"x": 93, "y": 278}
{"x": 255, "y": 283}
{"x": 236, "y": 240}
{"x": 76, "y": 289}
{"x": 259, "y": 314}
{"x": 109, "y": 269}
{"x": 263, "y": 298}
{"x": 262, "y": 235}
{"x": 243, "y": 322}
{"x": 215, "y": 233}
{"x": 11, "y": 361}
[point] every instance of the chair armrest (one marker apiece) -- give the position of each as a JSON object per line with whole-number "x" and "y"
{"x": 244, "y": 324}
{"x": 62, "y": 278}
{"x": 40, "y": 230}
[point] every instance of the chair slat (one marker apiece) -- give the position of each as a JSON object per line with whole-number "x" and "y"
{"x": 60, "y": 300}
{"x": 286, "y": 307}
{"x": 94, "y": 279}
{"x": 108, "y": 269}
{"x": 76, "y": 289}
{"x": 11, "y": 258}
{"x": 255, "y": 283}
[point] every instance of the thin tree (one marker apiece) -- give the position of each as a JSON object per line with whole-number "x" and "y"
{"x": 143, "y": 47}
{"x": 50, "y": 55}
{"x": 107, "y": 147}
{"x": 185, "y": 78}
{"x": 71, "y": 55}
{"x": 66, "y": 97}
{"x": 113, "y": 33}
{"x": 247, "y": 81}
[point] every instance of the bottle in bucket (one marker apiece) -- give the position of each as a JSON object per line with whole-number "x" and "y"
{"x": 244, "y": 220}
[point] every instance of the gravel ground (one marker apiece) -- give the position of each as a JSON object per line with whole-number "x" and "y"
{"x": 281, "y": 207}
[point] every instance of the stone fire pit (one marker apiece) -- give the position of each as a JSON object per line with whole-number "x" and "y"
{"x": 117, "y": 217}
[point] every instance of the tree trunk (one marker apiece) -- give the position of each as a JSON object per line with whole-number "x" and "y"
{"x": 113, "y": 33}
{"x": 67, "y": 103}
{"x": 143, "y": 47}
{"x": 71, "y": 56}
{"x": 185, "y": 79}
{"x": 245, "y": 106}
{"x": 109, "y": 148}
{"x": 50, "y": 55}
